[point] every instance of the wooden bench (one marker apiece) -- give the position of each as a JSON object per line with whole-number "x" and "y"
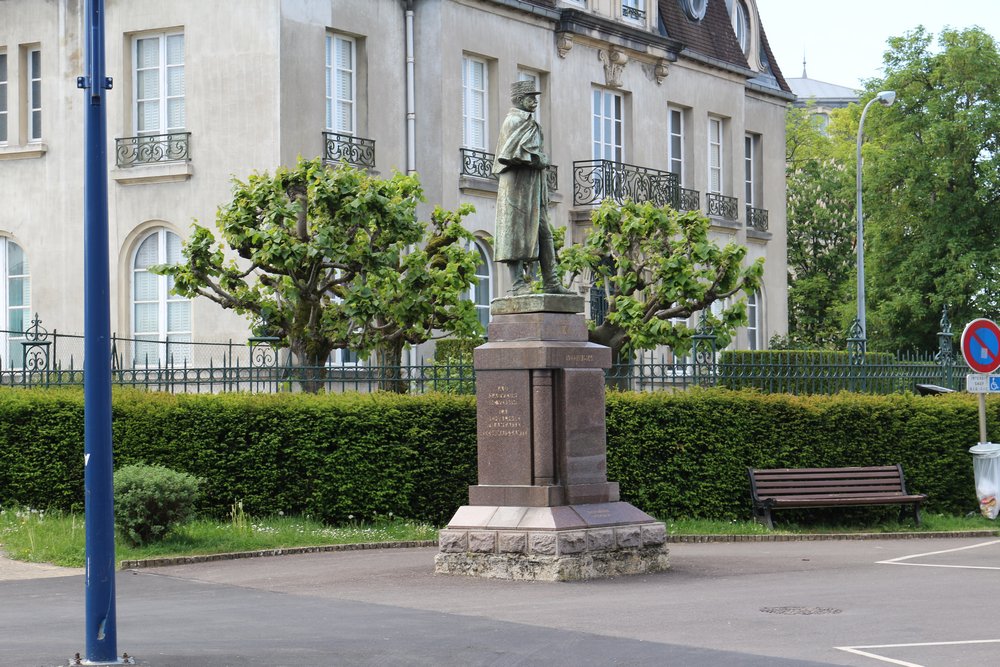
{"x": 780, "y": 488}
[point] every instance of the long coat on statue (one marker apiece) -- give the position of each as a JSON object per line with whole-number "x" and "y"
{"x": 523, "y": 194}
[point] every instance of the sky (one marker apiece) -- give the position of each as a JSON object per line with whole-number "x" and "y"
{"x": 843, "y": 41}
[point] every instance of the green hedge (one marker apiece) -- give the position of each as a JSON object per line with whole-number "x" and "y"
{"x": 331, "y": 456}
{"x": 685, "y": 454}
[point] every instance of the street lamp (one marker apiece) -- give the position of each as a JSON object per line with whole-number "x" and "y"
{"x": 860, "y": 329}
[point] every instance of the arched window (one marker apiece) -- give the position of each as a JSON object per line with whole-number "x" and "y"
{"x": 482, "y": 290}
{"x": 161, "y": 321}
{"x": 741, "y": 25}
{"x": 15, "y": 295}
{"x": 753, "y": 322}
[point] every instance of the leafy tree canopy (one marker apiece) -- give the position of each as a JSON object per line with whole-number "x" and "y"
{"x": 657, "y": 267}
{"x": 932, "y": 187}
{"x": 334, "y": 258}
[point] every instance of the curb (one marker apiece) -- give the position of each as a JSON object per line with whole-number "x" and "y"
{"x": 821, "y": 537}
{"x": 267, "y": 553}
{"x": 671, "y": 539}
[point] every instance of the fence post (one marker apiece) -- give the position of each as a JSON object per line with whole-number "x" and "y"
{"x": 856, "y": 348}
{"x": 263, "y": 354}
{"x": 703, "y": 352}
{"x": 945, "y": 356}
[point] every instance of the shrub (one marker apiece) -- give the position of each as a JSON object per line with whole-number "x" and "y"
{"x": 150, "y": 500}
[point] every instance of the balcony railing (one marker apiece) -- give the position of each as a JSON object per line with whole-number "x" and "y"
{"x": 153, "y": 148}
{"x": 356, "y": 151}
{"x": 688, "y": 200}
{"x": 633, "y": 13}
{"x": 757, "y": 218}
{"x": 480, "y": 164}
{"x": 721, "y": 206}
{"x": 597, "y": 180}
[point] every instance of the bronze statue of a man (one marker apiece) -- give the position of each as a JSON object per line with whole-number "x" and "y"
{"x": 523, "y": 237}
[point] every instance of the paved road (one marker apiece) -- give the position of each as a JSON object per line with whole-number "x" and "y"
{"x": 752, "y": 604}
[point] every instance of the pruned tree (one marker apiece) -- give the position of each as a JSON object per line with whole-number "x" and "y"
{"x": 333, "y": 258}
{"x": 657, "y": 267}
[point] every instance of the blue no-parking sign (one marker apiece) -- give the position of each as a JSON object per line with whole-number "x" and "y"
{"x": 981, "y": 345}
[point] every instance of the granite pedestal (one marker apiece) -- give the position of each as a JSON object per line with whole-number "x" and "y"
{"x": 544, "y": 508}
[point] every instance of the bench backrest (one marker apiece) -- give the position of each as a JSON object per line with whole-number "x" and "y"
{"x": 860, "y": 482}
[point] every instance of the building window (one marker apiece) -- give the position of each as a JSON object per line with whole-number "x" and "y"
{"x": 675, "y": 148}
{"x": 482, "y": 290}
{"x": 159, "y": 84}
{"x": 15, "y": 292}
{"x": 741, "y": 26}
{"x": 341, "y": 86}
{"x": 34, "y": 95}
{"x": 474, "y": 103}
{"x": 753, "y": 321}
{"x": 161, "y": 321}
{"x": 751, "y": 169}
{"x": 608, "y": 126}
{"x": 715, "y": 155}
{"x": 3, "y": 98}
{"x": 634, "y": 10}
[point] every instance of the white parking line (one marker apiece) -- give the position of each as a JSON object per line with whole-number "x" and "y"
{"x": 899, "y": 561}
{"x": 857, "y": 649}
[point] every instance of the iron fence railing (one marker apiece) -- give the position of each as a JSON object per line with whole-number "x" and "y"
{"x": 480, "y": 164}
{"x": 597, "y": 180}
{"x": 356, "y": 151}
{"x": 44, "y": 358}
{"x": 153, "y": 148}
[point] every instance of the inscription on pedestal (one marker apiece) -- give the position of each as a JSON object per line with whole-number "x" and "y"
{"x": 506, "y": 420}
{"x": 503, "y": 416}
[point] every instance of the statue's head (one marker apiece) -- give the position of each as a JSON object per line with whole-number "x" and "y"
{"x": 522, "y": 91}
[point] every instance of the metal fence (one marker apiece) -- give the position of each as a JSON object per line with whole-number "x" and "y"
{"x": 43, "y": 358}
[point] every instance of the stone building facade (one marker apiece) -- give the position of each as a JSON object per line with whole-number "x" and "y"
{"x": 675, "y": 99}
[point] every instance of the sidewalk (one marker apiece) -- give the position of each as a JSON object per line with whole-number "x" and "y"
{"x": 757, "y": 604}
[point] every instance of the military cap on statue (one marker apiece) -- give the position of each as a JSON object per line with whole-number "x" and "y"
{"x": 519, "y": 88}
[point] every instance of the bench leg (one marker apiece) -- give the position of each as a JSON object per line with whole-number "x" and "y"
{"x": 914, "y": 511}
{"x": 762, "y": 515}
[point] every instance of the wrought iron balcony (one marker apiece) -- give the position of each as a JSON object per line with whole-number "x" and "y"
{"x": 688, "y": 200}
{"x": 153, "y": 148}
{"x": 356, "y": 151}
{"x": 597, "y": 180}
{"x": 477, "y": 163}
{"x": 633, "y": 13}
{"x": 721, "y": 206}
{"x": 480, "y": 164}
{"x": 757, "y": 218}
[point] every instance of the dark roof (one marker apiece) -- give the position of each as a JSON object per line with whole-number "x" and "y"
{"x": 713, "y": 36}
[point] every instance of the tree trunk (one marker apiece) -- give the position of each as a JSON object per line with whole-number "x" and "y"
{"x": 310, "y": 370}
{"x": 619, "y": 376}
{"x": 389, "y": 358}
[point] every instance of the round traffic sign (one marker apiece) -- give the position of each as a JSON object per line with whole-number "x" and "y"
{"x": 981, "y": 345}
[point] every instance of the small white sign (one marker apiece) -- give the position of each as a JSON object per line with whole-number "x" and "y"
{"x": 980, "y": 383}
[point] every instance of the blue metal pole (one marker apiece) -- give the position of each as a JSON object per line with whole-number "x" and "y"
{"x": 101, "y": 630}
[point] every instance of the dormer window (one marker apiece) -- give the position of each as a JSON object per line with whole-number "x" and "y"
{"x": 741, "y": 26}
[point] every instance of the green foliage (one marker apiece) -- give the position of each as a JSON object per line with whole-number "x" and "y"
{"x": 821, "y": 230}
{"x": 333, "y": 258}
{"x": 151, "y": 500}
{"x": 932, "y": 186}
{"x": 334, "y": 457}
{"x": 686, "y": 454}
{"x": 656, "y": 264}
